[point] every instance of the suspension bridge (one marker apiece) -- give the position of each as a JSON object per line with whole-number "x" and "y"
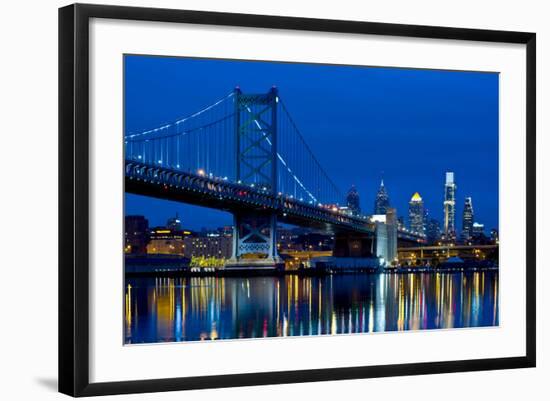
{"x": 245, "y": 154}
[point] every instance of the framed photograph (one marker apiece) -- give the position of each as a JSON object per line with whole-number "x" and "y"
{"x": 250, "y": 199}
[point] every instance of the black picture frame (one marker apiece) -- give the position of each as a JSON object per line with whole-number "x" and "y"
{"x": 74, "y": 198}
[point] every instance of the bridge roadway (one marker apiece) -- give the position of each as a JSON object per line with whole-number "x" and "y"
{"x": 166, "y": 183}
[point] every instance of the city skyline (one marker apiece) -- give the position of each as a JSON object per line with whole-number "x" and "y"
{"x": 406, "y": 122}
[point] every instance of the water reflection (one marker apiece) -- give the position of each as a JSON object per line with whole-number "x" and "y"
{"x": 209, "y": 308}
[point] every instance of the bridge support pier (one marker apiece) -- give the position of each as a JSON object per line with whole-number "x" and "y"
{"x": 254, "y": 242}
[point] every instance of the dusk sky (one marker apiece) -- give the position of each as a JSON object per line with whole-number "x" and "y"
{"x": 411, "y": 126}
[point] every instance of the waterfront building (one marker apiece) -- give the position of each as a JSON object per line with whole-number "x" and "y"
{"x": 285, "y": 239}
{"x": 381, "y": 238}
{"x": 136, "y": 235}
{"x": 433, "y": 231}
{"x": 391, "y": 233}
{"x": 353, "y": 201}
{"x": 382, "y": 201}
{"x": 467, "y": 219}
{"x": 416, "y": 214}
{"x": 386, "y": 236}
{"x": 206, "y": 244}
{"x": 314, "y": 241}
{"x": 210, "y": 246}
{"x": 166, "y": 241}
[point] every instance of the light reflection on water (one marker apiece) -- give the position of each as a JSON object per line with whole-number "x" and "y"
{"x": 209, "y": 308}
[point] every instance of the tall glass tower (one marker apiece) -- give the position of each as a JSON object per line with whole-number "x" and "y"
{"x": 382, "y": 201}
{"x": 449, "y": 207}
{"x": 433, "y": 231}
{"x": 353, "y": 201}
{"x": 467, "y": 219}
{"x": 416, "y": 213}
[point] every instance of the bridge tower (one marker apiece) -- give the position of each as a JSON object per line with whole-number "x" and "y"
{"x": 255, "y": 230}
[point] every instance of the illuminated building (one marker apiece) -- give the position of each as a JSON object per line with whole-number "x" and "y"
{"x": 314, "y": 241}
{"x": 449, "y": 230}
{"x": 391, "y": 232}
{"x": 381, "y": 236}
{"x": 386, "y": 236}
{"x": 353, "y": 201}
{"x": 174, "y": 223}
{"x": 478, "y": 229}
{"x": 382, "y": 201}
{"x": 165, "y": 241}
{"x": 416, "y": 214}
{"x": 136, "y": 234}
{"x": 467, "y": 219}
{"x": 433, "y": 231}
{"x": 211, "y": 246}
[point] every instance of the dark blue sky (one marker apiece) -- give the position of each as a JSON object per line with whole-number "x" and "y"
{"x": 412, "y": 125}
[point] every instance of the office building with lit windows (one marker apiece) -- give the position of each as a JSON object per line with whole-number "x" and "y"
{"x": 449, "y": 230}
{"x": 467, "y": 219}
{"x": 433, "y": 231}
{"x": 353, "y": 201}
{"x": 416, "y": 213}
{"x": 382, "y": 201}
{"x": 211, "y": 246}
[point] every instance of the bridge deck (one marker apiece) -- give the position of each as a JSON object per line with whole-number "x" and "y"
{"x": 166, "y": 183}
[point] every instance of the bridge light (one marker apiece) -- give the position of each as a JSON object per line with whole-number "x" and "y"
{"x": 200, "y": 172}
{"x": 139, "y": 156}
{"x": 160, "y": 161}
{"x": 177, "y": 166}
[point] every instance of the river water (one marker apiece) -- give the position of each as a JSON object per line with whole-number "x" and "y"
{"x": 213, "y": 308}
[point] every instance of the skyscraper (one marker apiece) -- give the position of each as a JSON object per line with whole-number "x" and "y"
{"x": 416, "y": 213}
{"x": 382, "y": 201}
{"x": 467, "y": 219}
{"x": 449, "y": 207}
{"x": 353, "y": 201}
{"x": 433, "y": 231}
